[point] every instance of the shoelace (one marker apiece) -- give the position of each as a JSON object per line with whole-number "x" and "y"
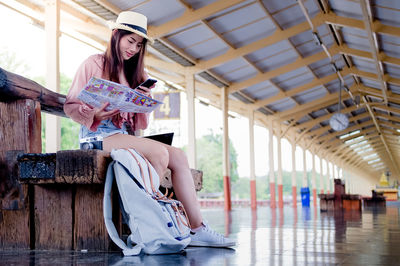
{"x": 212, "y": 232}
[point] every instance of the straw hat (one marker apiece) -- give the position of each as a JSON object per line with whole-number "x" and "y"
{"x": 133, "y": 22}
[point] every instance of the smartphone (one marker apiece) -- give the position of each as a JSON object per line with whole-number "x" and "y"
{"x": 148, "y": 83}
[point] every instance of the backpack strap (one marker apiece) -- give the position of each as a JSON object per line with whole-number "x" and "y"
{"x": 155, "y": 192}
{"x": 179, "y": 210}
{"x": 107, "y": 213}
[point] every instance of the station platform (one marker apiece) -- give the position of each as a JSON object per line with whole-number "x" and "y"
{"x": 288, "y": 236}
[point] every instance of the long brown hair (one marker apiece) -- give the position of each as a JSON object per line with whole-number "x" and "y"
{"x": 133, "y": 68}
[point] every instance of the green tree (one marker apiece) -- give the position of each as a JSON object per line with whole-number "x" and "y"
{"x": 69, "y": 128}
{"x": 209, "y": 160}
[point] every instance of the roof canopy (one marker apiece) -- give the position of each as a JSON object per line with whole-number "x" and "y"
{"x": 286, "y": 60}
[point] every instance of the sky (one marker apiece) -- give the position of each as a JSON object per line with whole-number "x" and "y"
{"x": 27, "y": 41}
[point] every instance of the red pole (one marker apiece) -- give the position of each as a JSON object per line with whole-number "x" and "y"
{"x": 227, "y": 193}
{"x": 294, "y": 195}
{"x": 280, "y": 196}
{"x": 315, "y": 196}
{"x": 272, "y": 191}
{"x": 253, "y": 194}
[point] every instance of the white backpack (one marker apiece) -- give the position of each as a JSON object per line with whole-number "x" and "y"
{"x": 158, "y": 225}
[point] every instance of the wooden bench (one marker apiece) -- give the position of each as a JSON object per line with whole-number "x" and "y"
{"x": 49, "y": 201}
{"x": 351, "y": 202}
{"x": 376, "y": 201}
{"x": 326, "y": 202}
{"x": 339, "y": 200}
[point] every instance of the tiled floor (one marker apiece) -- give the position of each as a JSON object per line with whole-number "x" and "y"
{"x": 301, "y": 236}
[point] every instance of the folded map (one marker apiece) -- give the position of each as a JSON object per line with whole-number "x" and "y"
{"x": 99, "y": 91}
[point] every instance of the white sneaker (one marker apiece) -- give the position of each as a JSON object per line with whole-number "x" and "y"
{"x": 206, "y": 237}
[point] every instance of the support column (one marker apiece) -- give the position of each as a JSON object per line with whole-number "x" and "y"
{"x": 280, "y": 185}
{"x": 348, "y": 182}
{"x": 225, "y": 146}
{"x": 190, "y": 93}
{"x": 314, "y": 180}
{"x": 271, "y": 165}
{"x": 52, "y": 30}
{"x": 304, "y": 188}
{"x": 328, "y": 182}
{"x": 294, "y": 185}
{"x": 253, "y": 194}
{"x": 321, "y": 177}
{"x": 304, "y": 181}
{"x": 334, "y": 172}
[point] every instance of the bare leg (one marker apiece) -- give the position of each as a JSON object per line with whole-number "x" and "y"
{"x": 183, "y": 184}
{"x": 152, "y": 150}
{"x": 162, "y": 156}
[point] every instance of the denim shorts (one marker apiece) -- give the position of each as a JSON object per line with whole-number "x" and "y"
{"x": 105, "y": 129}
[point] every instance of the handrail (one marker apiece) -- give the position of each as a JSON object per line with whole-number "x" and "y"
{"x": 14, "y": 86}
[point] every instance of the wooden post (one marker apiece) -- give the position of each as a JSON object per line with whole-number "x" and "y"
{"x": 53, "y": 217}
{"x": 225, "y": 151}
{"x": 314, "y": 180}
{"x": 321, "y": 177}
{"x": 89, "y": 229}
{"x": 271, "y": 165}
{"x": 305, "y": 179}
{"x": 328, "y": 190}
{"x": 190, "y": 92}
{"x": 294, "y": 185}
{"x": 280, "y": 185}
{"x": 19, "y": 130}
{"x": 253, "y": 193}
{"x": 52, "y": 30}
{"x": 333, "y": 176}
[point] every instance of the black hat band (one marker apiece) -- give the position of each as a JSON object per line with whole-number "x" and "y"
{"x": 135, "y": 27}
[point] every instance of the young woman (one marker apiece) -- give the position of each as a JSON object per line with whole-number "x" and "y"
{"x": 123, "y": 63}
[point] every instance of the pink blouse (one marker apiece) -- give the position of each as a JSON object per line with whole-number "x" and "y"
{"x": 84, "y": 114}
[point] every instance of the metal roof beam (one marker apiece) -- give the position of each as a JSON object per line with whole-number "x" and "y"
{"x": 277, "y": 36}
{"x": 383, "y": 57}
{"x": 299, "y": 62}
{"x": 190, "y": 16}
{"x": 377, "y": 26}
{"x": 313, "y": 105}
{"x": 395, "y": 169}
{"x": 365, "y": 6}
{"x": 314, "y": 83}
{"x": 107, "y": 5}
{"x": 369, "y": 75}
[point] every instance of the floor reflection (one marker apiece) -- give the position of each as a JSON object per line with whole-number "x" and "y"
{"x": 287, "y": 236}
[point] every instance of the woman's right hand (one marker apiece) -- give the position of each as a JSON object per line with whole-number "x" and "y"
{"x": 101, "y": 113}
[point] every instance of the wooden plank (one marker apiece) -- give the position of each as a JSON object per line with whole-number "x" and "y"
{"x": 82, "y": 166}
{"x": 36, "y": 168}
{"x": 89, "y": 231}
{"x": 14, "y": 225}
{"x": 13, "y": 86}
{"x": 78, "y": 167}
{"x": 19, "y": 132}
{"x": 53, "y": 217}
